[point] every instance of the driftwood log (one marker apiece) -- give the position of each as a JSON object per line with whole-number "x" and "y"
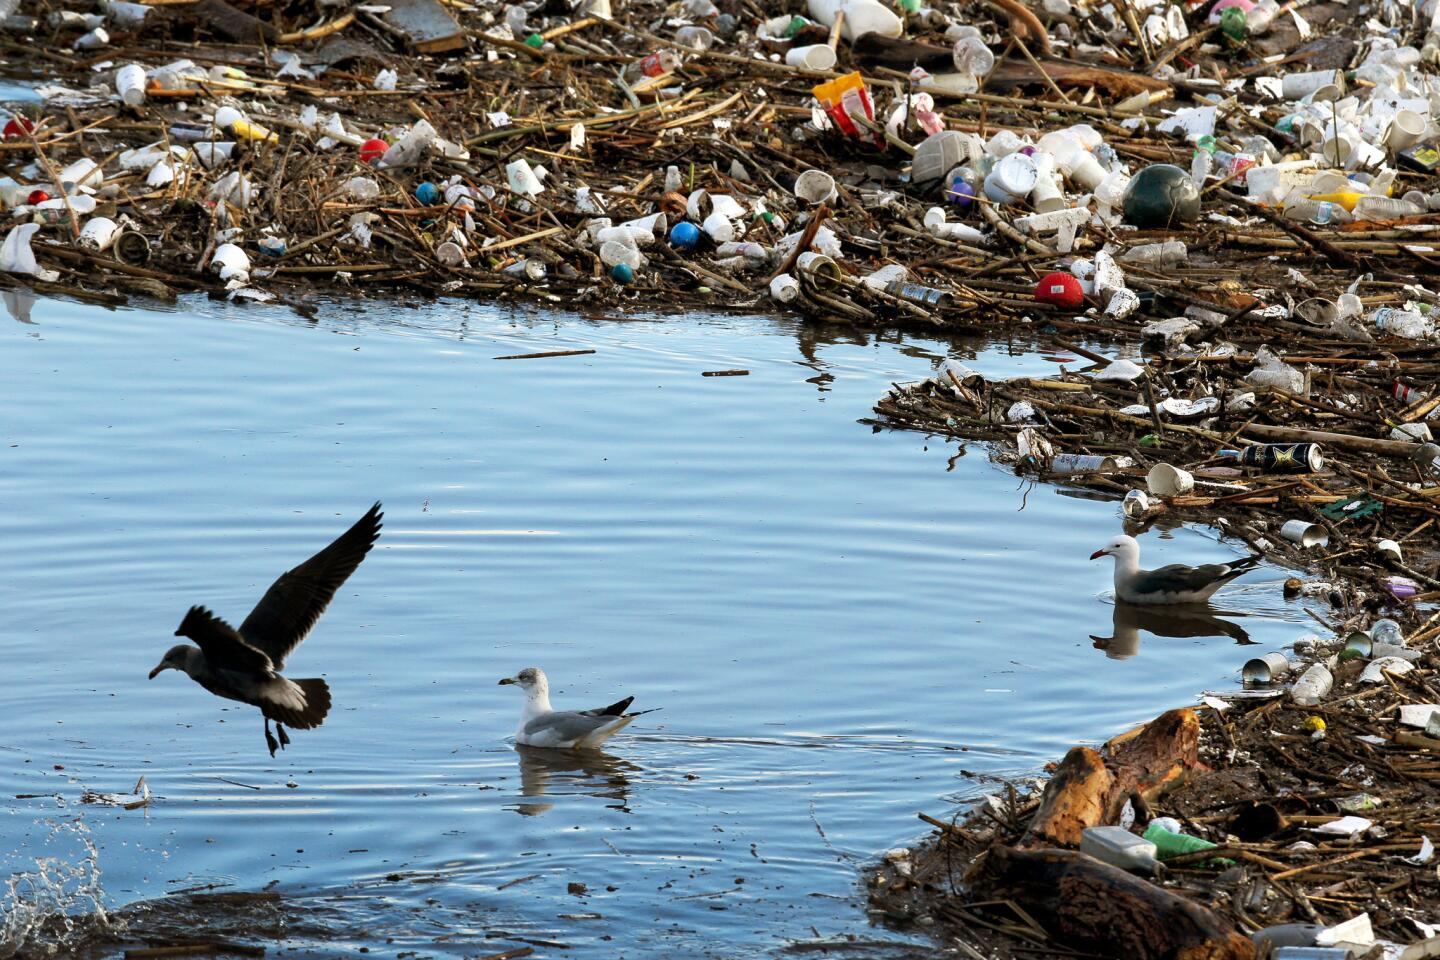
{"x": 1088, "y": 789}
{"x": 1085, "y": 901}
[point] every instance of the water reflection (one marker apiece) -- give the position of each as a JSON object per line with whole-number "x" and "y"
{"x": 18, "y": 303}
{"x": 545, "y": 772}
{"x": 1129, "y": 619}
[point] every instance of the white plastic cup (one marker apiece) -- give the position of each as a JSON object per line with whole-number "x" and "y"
{"x": 450, "y": 254}
{"x": 697, "y": 38}
{"x": 816, "y": 56}
{"x": 819, "y": 269}
{"x": 130, "y": 84}
{"x": 815, "y": 186}
{"x": 1298, "y": 86}
{"x": 720, "y": 228}
{"x": 522, "y": 179}
{"x": 653, "y": 225}
{"x": 785, "y": 288}
{"x": 1163, "y": 480}
{"x": 1389, "y": 548}
{"x": 1012, "y": 178}
{"x": 98, "y": 233}
{"x": 1404, "y": 130}
{"x": 1304, "y": 533}
{"x": 213, "y": 153}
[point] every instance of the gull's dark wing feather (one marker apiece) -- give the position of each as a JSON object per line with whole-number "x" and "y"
{"x": 292, "y": 605}
{"x": 1179, "y": 578}
{"x": 616, "y": 709}
{"x": 224, "y": 649}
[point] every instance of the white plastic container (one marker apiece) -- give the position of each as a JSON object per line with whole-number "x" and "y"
{"x": 98, "y": 233}
{"x": 785, "y": 288}
{"x": 1013, "y": 177}
{"x": 83, "y": 173}
{"x": 130, "y": 84}
{"x": 230, "y": 262}
{"x": 861, "y": 17}
{"x": 1119, "y": 848}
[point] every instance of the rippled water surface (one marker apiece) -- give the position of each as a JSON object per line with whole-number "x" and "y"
{"x": 841, "y": 626}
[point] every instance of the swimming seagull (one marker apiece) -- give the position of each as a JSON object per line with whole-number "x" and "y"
{"x": 245, "y": 664}
{"x": 1176, "y": 583}
{"x": 543, "y": 726}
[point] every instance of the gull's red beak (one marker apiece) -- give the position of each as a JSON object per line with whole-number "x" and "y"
{"x": 1098, "y": 554}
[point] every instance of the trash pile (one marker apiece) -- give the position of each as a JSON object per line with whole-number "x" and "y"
{"x": 1322, "y": 460}
{"x": 841, "y": 158}
{"x": 1300, "y": 808}
{"x": 1268, "y": 823}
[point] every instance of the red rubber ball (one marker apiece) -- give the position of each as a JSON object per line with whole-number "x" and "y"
{"x": 17, "y": 127}
{"x": 37, "y": 196}
{"x": 373, "y": 149}
{"x": 1061, "y": 289}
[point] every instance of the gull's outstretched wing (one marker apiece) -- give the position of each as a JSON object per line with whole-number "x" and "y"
{"x": 292, "y": 605}
{"x": 224, "y": 648}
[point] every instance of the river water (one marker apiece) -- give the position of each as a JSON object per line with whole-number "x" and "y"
{"x": 841, "y": 626}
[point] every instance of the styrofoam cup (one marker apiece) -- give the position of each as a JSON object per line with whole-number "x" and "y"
{"x": 816, "y": 56}
{"x": 1163, "y": 480}
{"x": 1404, "y": 130}
{"x": 815, "y": 186}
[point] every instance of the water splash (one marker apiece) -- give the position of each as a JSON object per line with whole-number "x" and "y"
{"x": 54, "y": 902}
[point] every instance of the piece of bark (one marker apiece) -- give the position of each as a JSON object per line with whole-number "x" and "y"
{"x": 235, "y": 24}
{"x": 1081, "y": 899}
{"x": 1014, "y": 73}
{"x": 427, "y": 25}
{"x": 1075, "y": 798}
{"x": 1089, "y": 790}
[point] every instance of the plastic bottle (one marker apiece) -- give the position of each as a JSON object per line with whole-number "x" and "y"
{"x": 130, "y": 84}
{"x": 1157, "y": 254}
{"x": 1410, "y": 324}
{"x": 362, "y": 188}
{"x": 615, "y": 251}
{"x": 1312, "y": 686}
{"x": 1171, "y": 844}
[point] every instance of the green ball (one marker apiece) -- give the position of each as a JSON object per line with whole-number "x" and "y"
{"x": 1161, "y": 195}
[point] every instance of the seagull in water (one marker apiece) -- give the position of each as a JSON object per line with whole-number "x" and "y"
{"x": 245, "y": 664}
{"x": 1176, "y": 583}
{"x": 543, "y": 726}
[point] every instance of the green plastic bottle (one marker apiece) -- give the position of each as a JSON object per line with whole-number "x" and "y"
{"x": 1168, "y": 844}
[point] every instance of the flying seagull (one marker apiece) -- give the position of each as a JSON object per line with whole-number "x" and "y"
{"x": 1176, "y": 583}
{"x": 245, "y": 664}
{"x": 543, "y": 726}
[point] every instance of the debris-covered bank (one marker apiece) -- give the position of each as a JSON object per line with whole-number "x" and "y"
{"x": 1315, "y": 778}
{"x": 842, "y": 158}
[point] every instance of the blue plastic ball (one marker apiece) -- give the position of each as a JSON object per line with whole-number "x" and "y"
{"x": 428, "y": 194}
{"x": 621, "y": 273}
{"x": 685, "y": 235}
{"x": 960, "y": 192}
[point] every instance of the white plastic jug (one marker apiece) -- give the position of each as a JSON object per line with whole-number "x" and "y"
{"x": 861, "y": 17}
